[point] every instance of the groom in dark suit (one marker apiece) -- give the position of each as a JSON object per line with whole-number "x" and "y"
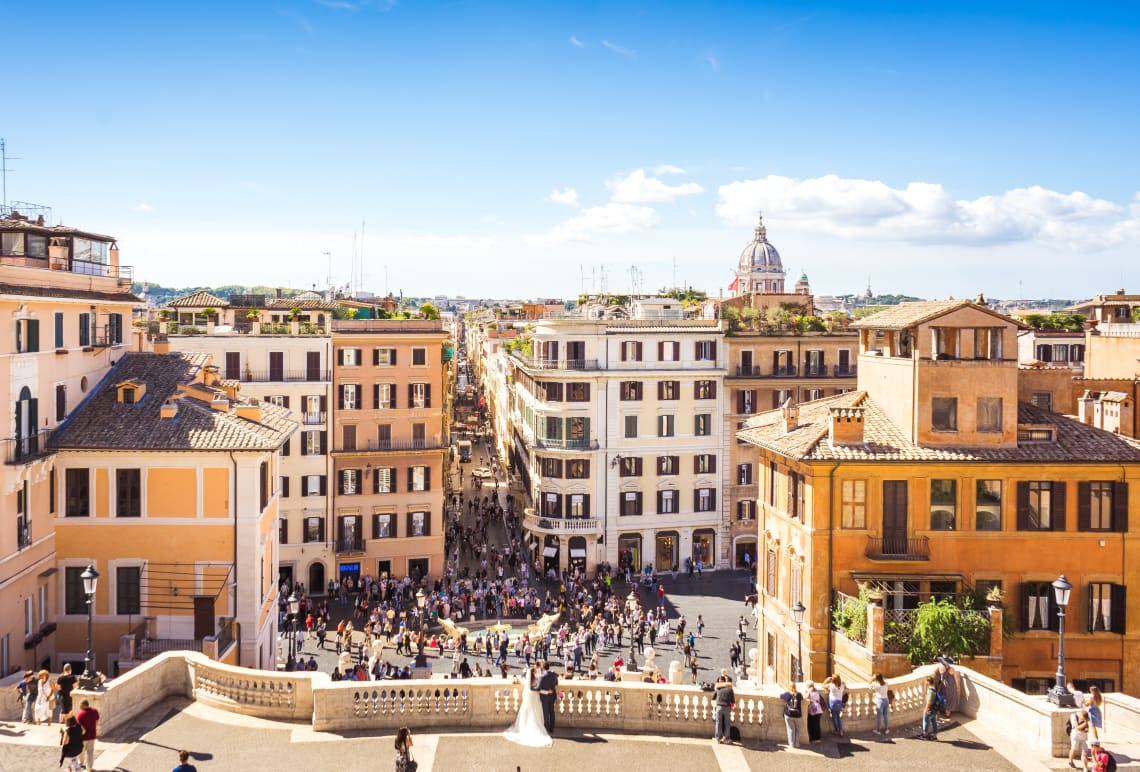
{"x": 547, "y": 693}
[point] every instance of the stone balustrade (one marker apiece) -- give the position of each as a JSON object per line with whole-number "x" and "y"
{"x": 491, "y": 704}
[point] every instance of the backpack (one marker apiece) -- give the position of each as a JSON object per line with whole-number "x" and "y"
{"x": 794, "y": 705}
{"x": 1110, "y": 765}
{"x": 939, "y": 701}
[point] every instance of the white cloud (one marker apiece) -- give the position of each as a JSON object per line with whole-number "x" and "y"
{"x": 612, "y": 218}
{"x": 628, "y": 53}
{"x": 567, "y": 196}
{"x": 636, "y": 187}
{"x": 925, "y": 213}
{"x": 574, "y": 41}
{"x": 664, "y": 169}
{"x": 143, "y": 206}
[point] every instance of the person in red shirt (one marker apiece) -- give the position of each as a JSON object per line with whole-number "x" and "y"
{"x": 1098, "y": 756}
{"x": 88, "y": 718}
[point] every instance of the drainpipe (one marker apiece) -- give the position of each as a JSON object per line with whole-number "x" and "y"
{"x": 233, "y": 592}
{"x": 1123, "y": 563}
{"x": 830, "y": 557}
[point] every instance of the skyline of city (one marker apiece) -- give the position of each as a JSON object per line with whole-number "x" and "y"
{"x": 451, "y": 147}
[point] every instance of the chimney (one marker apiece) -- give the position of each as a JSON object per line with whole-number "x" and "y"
{"x": 845, "y": 426}
{"x": 791, "y": 414}
{"x": 1086, "y": 408}
{"x": 220, "y": 403}
{"x": 210, "y": 375}
{"x": 250, "y": 411}
{"x": 169, "y": 408}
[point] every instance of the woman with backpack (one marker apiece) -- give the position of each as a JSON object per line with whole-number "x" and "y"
{"x": 931, "y": 709}
{"x": 793, "y": 711}
{"x": 815, "y": 713}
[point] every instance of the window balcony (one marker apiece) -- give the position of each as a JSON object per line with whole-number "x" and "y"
{"x": 533, "y": 363}
{"x": 349, "y": 546}
{"x": 548, "y": 443}
{"x": 305, "y": 375}
{"x": 24, "y": 450}
{"x": 557, "y": 526}
{"x": 385, "y": 446}
{"x": 898, "y": 548}
{"x": 839, "y": 371}
{"x": 313, "y": 419}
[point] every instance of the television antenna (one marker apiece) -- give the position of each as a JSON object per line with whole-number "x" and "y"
{"x": 4, "y": 158}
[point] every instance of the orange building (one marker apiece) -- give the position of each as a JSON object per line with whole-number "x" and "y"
{"x": 167, "y": 484}
{"x": 932, "y": 480}
{"x": 63, "y": 300}
{"x": 389, "y": 448}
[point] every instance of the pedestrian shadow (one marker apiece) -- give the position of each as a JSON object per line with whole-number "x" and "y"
{"x": 971, "y": 745}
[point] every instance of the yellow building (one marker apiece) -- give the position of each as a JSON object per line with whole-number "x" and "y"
{"x": 932, "y": 480}
{"x": 63, "y": 300}
{"x": 167, "y": 484}
{"x": 388, "y": 448}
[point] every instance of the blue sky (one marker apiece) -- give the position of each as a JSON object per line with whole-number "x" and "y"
{"x": 511, "y": 149}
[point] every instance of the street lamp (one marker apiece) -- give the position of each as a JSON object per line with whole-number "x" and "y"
{"x": 421, "y": 600}
{"x": 294, "y": 609}
{"x": 798, "y": 612}
{"x": 1060, "y": 694}
{"x": 90, "y": 578}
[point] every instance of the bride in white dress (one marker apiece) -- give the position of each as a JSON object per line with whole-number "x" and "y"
{"x": 528, "y": 728}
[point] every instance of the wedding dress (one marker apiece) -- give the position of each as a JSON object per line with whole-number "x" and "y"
{"x": 528, "y": 728}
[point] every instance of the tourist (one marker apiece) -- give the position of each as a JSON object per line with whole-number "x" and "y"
{"x": 29, "y": 689}
{"x": 793, "y": 712}
{"x": 836, "y": 699}
{"x": 65, "y": 682}
{"x": 1098, "y": 756}
{"x": 725, "y": 699}
{"x": 815, "y": 713}
{"x": 88, "y": 718}
{"x": 1094, "y": 703}
{"x": 882, "y": 701}
{"x": 947, "y": 685}
{"x": 930, "y": 711}
{"x": 1079, "y": 737}
{"x": 404, "y": 761}
{"x": 71, "y": 743}
{"x": 45, "y": 696}
{"x": 184, "y": 764}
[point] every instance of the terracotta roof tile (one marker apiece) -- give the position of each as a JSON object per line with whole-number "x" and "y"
{"x": 905, "y": 315}
{"x": 201, "y": 299}
{"x": 102, "y": 422}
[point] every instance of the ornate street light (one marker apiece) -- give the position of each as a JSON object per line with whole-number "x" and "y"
{"x": 294, "y": 609}
{"x": 89, "y": 679}
{"x": 1060, "y": 695}
{"x": 798, "y": 612}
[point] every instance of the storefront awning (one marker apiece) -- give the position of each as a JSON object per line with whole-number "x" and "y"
{"x": 550, "y": 552}
{"x": 577, "y": 553}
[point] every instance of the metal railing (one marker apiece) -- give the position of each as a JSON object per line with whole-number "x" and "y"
{"x": 850, "y": 371}
{"x": 898, "y": 548}
{"x": 547, "y": 443}
{"x": 343, "y": 546}
{"x": 21, "y": 450}
{"x": 311, "y": 419}
{"x": 556, "y": 364}
{"x": 784, "y": 372}
{"x": 150, "y": 648}
{"x": 557, "y": 525}
{"x": 284, "y": 376}
{"x": 432, "y": 443}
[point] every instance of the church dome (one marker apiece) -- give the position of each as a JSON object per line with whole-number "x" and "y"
{"x": 760, "y": 255}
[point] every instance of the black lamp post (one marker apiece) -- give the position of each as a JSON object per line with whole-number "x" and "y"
{"x": 421, "y": 601}
{"x": 294, "y": 608}
{"x": 89, "y": 679}
{"x": 798, "y": 612}
{"x": 1060, "y": 694}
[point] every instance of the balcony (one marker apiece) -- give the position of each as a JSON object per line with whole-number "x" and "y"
{"x": 839, "y": 371}
{"x": 124, "y": 274}
{"x": 381, "y": 446}
{"x": 24, "y": 450}
{"x": 748, "y": 371}
{"x": 788, "y": 371}
{"x": 313, "y": 419}
{"x": 349, "y": 546}
{"x": 898, "y": 548}
{"x": 548, "y": 443}
{"x": 533, "y": 363}
{"x": 817, "y": 371}
{"x": 562, "y": 525}
{"x": 281, "y": 376}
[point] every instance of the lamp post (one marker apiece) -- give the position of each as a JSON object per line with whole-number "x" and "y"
{"x": 1060, "y": 694}
{"x": 421, "y": 600}
{"x": 798, "y": 612}
{"x": 90, "y": 578}
{"x": 294, "y": 608}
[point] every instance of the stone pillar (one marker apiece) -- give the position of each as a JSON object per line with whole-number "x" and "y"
{"x": 876, "y": 622}
{"x": 996, "y": 631}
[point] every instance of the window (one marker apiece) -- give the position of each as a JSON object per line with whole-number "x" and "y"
{"x": 780, "y": 396}
{"x": 128, "y": 580}
{"x": 668, "y": 465}
{"x": 1106, "y": 607}
{"x": 744, "y": 474}
{"x": 313, "y": 443}
{"x": 553, "y": 428}
{"x": 383, "y": 357}
{"x": 128, "y": 492}
{"x": 313, "y": 485}
{"x": 29, "y": 617}
{"x": 77, "y": 499}
{"x": 1102, "y": 506}
{"x": 795, "y": 495}
{"x": 987, "y": 505}
{"x": 115, "y": 328}
{"x": 349, "y": 482}
{"x": 384, "y": 480}
{"x": 85, "y": 330}
{"x": 27, "y": 336}
{"x": 667, "y": 390}
{"x": 384, "y": 435}
{"x": 382, "y": 526}
{"x": 810, "y": 395}
{"x": 666, "y": 502}
{"x": 578, "y": 469}
{"x": 746, "y": 509}
{"x": 773, "y": 479}
{"x": 704, "y": 463}
{"x": 24, "y": 516}
{"x": 770, "y": 573}
{"x": 854, "y": 503}
{"x": 419, "y": 356}
{"x": 579, "y": 505}
{"x": 263, "y": 484}
{"x": 1037, "y": 604}
{"x": 631, "y": 503}
{"x": 1042, "y": 400}
{"x": 989, "y": 414}
{"x": 419, "y": 524}
{"x": 702, "y": 424}
{"x": 629, "y": 466}
{"x": 418, "y": 395}
{"x": 987, "y": 343}
{"x": 666, "y": 425}
{"x": 796, "y": 583}
{"x": 384, "y": 396}
{"x": 814, "y": 362}
{"x": 550, "y": 467}
{"x": 314, "y": 529}
{"x": 419, "y": 478}
{"x": 283, "y": 530}
{"x": 630, "y": 426}
{"x": 668, "y": 350}
{"x": 349, "y": 357}
{"x": 578, "y": 430}
{"x": 630, "y": 351}
{"x": 577, "y": 391}
{"x": 704, "y": 499}
{"x": 943, "y": 505}
{"x": 552, "y": 504}
{"x": 74, "y": 599}
{"x": 348, "y": 435}
{"x": 772, "y": 650}
{"x": 59, "y": 329}
{"x": 746, "y": 401}
{"x": 1040, "y": 506}
{"x": 705, "y": 350}
{"x": 61, "y": 400}
{"x": 704, "y": 389}
{"x": 349, "y": 396}
{"x": 630, "y": 391}
{"x": 944, "y": 414}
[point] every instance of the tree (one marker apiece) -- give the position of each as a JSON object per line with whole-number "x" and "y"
{"x": 429, "y": 311}
{"x": 942, "y": 628}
